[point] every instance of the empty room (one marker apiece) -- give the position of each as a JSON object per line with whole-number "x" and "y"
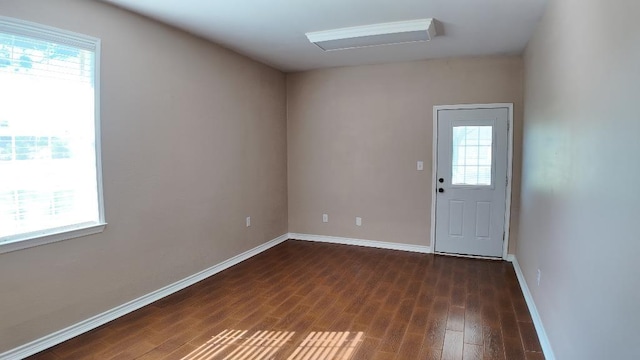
{"x": 319, "y": 180}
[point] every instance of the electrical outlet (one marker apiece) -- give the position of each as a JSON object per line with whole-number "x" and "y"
{"x": 539, "y": 276}
{"x": 248, "y": 221}
{"x": 358, "y": 221}
{"x": 325, "y": 218}
{"x": 420, "y": 165}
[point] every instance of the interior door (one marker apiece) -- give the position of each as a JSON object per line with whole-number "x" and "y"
{"x": 471, "y": 173}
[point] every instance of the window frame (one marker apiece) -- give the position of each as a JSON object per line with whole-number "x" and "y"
{"x": 52, "y": 34}
{"x": 479, "y": 122}
{"x": 491, "y": 184}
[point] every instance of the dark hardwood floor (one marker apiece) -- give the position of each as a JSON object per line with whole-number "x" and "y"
{"x": 304, "y": 300}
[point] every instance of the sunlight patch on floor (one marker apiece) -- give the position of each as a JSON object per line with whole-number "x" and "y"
{"x": 263, "y": 345}
{"x": 327, "y": 346}
{"x": 216, "y": 345}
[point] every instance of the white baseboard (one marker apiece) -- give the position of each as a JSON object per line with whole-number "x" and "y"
{"x": 537, "y": 321}
{"x": 360, "y": 242}
{"x": 74, "y": 330}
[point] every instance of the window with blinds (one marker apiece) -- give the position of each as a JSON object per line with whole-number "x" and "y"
{"x": 50, "y": 180}
{"x": 471, "y": 155}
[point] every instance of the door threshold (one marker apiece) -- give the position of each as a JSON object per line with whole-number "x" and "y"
{"x": 469, "y": 256}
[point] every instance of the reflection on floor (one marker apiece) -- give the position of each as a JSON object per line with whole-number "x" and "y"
{"x": 263, "y": 345}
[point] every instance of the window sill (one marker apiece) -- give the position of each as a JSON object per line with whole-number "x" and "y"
{"x": 51, "y": 236}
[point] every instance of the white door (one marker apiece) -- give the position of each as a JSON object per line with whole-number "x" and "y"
{"x": 471, "y": 173}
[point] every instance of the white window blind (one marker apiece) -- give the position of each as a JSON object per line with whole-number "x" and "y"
{"x": 49, "y": 149}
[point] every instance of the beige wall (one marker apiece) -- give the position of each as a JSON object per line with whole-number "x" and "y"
{"x": 194, "y": 140}
{"x": 355, "y": 135}
{"x": 580, "y": 197}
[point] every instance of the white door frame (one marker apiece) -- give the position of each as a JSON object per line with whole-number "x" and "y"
{"x": 434, "y": 162}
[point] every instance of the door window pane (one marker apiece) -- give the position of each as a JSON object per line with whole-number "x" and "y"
{"x": 471, "y": 156}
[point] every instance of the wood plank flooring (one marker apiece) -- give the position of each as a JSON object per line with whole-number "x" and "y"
{"x": 303, "y": 300}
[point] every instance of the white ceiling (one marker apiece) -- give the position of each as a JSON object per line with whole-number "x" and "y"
{"x": 273, "y": 31}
